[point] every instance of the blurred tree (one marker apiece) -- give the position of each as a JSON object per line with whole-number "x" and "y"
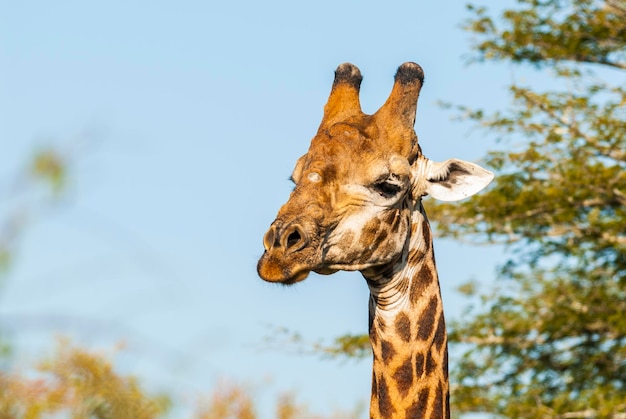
{"x": 550, "y": 339}
{"x": 83, "y": 385}
{"x": 76, "y": 384}
{"x": 47, "y": 167}
{"x": 229, "y": 401}
{"x": 235, "y": 401}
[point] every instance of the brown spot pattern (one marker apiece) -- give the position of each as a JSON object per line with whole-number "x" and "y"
{"x": 367, "y": 253}
{"x": 419, "y": 365}
{"x": 431, "y": 364}
{"x": 437, "y": 412}
{"x": 374, "y": 385}
{"x": 394, "y": 221}
{"x": 348, "y": 237}
{"x": 404, "y": 377}
{"x": 415, "y": 411}
{"x": 387, "y": 351}
{"x": 403, "y": 327}
{"x": 373, "y": 337}
{"x": 418, "y": 409}
{"x": 440, "y": 333}
{"x": 382, "y": 235}
{"x": 369, "y": 232}
{"x": 420, "y": 283}
{"x": 426, "y": 233}
{"x": 427, "y": 319}
{"x": 385, "y": 406}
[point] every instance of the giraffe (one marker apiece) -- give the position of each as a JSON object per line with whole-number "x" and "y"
{"x": 357, "y": 205}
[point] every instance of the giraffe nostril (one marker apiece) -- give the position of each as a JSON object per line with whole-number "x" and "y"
{"x": 294, "y": 238}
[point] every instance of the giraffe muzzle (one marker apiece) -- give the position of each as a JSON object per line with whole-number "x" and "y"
{"x": 289, "y": 254}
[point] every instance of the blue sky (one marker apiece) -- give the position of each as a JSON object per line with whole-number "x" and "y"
{"x": 182, "y": 122}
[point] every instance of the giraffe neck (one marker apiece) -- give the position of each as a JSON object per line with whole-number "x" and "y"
{"x": 408, "y": 334}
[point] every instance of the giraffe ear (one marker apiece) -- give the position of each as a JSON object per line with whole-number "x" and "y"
{"x": 455, "y": 179}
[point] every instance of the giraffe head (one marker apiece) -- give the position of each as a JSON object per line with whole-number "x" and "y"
{"x": 358, "y": 184}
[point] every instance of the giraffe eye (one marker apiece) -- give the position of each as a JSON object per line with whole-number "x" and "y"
{"x": 387, "y": 189}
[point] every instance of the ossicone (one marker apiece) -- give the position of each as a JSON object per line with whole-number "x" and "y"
{"x": 350, "y": 74}
{"x": 343, "y": 102}
{"x": 399, "y": 109}
{"x": 410, "y": 73}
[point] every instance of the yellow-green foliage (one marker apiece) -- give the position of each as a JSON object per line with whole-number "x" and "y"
{"x": 228, "y": 401}
{"x": 48, "y": 165}
{"x": 236, "y": 401}
{"x": 77, "y": 384}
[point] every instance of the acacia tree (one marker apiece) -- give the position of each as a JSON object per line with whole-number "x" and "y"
{"x": 550, "y": 340}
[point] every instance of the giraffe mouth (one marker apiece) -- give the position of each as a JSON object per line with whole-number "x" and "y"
{"x": 270, "y": 269}
{"x": 299, "y": 276}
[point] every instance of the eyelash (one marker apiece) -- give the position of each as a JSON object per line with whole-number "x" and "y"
{"x": 387, "y": 189}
